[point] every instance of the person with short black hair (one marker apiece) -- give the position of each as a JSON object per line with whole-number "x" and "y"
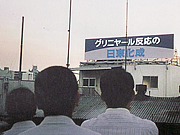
{"x": 117, "y": 91}
{"x": 20, "y": 107}
{"x": 56, "y": 92}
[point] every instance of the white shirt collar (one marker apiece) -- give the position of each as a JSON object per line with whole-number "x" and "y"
{"x": 28, "y": 123}
{"x": 116, "y": 110}
{"x": 57, "y": 119}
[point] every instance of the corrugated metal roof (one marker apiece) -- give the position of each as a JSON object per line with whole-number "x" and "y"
{"x": 157, "y": 109}
{"x": 89, "y": 107}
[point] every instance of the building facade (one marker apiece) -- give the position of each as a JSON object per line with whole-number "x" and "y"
{"x": 162, "y": 78}
{"x": 10, "y": 80}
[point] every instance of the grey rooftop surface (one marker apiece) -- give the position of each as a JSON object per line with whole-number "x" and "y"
{"x": 157, "y": 109}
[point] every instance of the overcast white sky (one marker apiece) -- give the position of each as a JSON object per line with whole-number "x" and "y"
{"x": 46, "y": 25}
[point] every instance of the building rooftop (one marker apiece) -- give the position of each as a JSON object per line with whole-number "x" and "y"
{"x": 89, "y": 107}
{"x": 160, "y": 61}
{"x": 157, "y": 109}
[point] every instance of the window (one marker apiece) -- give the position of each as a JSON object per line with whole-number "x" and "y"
{"x": 89, "y": 82}
{"x": 92, "y": 82}
{"x": 150, "y": 81}
{"x": 16, "y": 75}
{"x": 85, "y": 82}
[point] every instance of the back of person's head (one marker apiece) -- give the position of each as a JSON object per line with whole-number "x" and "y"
{"x": 20, "y": 104}
{"x": 117, "y": 88}
{"x": 56, "y": 91}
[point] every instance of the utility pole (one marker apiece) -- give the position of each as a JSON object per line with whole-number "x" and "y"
{"x": 69, "y": 35}
{"x": 20, "y": 64}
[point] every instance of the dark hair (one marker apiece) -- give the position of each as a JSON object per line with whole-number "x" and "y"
{"x": 56, "y": 89}
{"x": 20, "y": 104}
{"x": 117, "y": 87}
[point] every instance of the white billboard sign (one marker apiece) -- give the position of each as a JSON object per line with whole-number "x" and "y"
{"x": 138, "y": 47}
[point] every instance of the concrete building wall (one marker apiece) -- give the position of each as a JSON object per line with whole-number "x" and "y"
{"x": 139, "y": 71}
{"x": 15, "y": 84}
{"x": 2, "y": 95}
{"x": 90, "y": 74}
{"x": 168, "y": 78}
{"x": 173, "y": 80}
{"x": 11, "y": 85}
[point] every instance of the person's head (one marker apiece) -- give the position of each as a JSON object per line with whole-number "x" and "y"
{"x": 20, "y": 104}
{"x": 56, "y": 91}
{"x": 117, "y": 88}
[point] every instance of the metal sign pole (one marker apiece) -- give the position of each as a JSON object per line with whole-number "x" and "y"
{"x": 126, "y": 35}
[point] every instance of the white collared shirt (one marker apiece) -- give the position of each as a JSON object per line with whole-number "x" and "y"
{"x": 58, "y": 125}
{"x": 116, "y": 121}
{"x": 20, "y": 127}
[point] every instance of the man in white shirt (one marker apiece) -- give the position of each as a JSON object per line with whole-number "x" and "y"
{"x": 20, "y": 106}
{"x": 56, "y": 92}
{"x": 117, "y": 91}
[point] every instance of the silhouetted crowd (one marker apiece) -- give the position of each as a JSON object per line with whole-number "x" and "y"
{"x": 56, "y": 93}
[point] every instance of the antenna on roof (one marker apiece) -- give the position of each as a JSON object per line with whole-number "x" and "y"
{"x": 126, "y": 34}
{"x": 69, "y": 35}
